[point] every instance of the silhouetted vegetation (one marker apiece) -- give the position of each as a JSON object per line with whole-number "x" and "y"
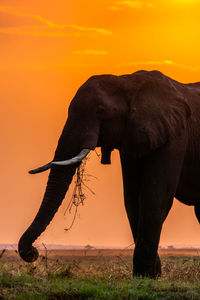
{"x": 81, "y": 179}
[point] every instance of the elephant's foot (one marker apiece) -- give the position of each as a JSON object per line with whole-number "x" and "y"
{"x": 158, "y": 266}
{"x": 146, "y": 267}
{"x": 146, "y": 272}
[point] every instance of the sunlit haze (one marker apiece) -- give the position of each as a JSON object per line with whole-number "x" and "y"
{"x": 48, "y": 49}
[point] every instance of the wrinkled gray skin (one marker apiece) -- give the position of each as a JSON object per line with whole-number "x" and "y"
{"x": 154, "y": 122}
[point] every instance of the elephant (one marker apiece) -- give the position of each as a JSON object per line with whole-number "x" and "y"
{"x": 154, "y": 123}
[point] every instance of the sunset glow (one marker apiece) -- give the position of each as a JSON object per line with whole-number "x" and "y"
{"x": 188, "y": 2}
{"x": 48, "y": 50}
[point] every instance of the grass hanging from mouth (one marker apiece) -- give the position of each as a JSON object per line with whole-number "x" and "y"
{"x": 78, "y": 194}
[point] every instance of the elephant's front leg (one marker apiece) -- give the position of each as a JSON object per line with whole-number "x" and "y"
{"x": 160, "y": 175}
{"x": 132, "y": 172}
{"x": 146, "y": 260}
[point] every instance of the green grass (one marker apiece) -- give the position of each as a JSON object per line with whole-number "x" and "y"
{"x": 97, "y": 278}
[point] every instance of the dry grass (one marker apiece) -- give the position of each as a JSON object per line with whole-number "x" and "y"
{"x": 115, "y": 264}
{"x": 95, "y": 277}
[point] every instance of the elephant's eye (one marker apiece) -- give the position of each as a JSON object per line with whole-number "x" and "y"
{"x": 101, "y": 112}
{"x": 133, "y": 109}
{"x": 100, "y": 109}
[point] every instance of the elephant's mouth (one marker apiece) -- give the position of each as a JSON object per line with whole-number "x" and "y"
{"x": 106, "y": 155}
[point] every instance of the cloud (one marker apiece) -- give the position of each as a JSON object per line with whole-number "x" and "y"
{"x": 73, "y": 26}
{"x": 92, "y": 29}
{"x": 129, "y": 3}
{"x": 34, "y": 31}
{"x": 38, "y": 31}
{"x": 90, "y": 52}
{"x": 136, "y": 4}
{"x": 60, "y": 29}
{"x": 163, "y": 62}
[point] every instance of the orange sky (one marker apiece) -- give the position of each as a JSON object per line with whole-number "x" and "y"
{"x": 48, "y": 49}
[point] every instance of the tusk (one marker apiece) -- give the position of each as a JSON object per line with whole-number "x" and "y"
{"x": 73, "y": 160}
{"x": 41, "y": 169}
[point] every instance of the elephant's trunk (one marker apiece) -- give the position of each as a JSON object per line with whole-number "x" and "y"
{"x": 59, "y": 180}
{"x": 75, "y": 138}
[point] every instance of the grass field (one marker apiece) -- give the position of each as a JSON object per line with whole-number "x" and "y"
{"x": 97, "y": 274}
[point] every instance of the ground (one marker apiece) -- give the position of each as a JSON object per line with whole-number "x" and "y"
{"x": 97, "y": 274}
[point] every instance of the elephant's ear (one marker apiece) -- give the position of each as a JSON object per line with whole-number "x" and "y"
{"x": 158, "y": 114}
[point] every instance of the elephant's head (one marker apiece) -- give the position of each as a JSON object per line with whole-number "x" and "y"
{"x": 129, "y": 113}
{"x": 96, "y": 117}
